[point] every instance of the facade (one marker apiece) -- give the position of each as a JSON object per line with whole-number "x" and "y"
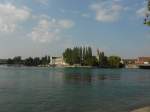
{"x": 58, "y": 61}
{"x": 143, "y": 60}
{"x": 129, "y": 61}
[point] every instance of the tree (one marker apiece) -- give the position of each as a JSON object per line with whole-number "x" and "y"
{"x": 45, "y": 60}
{"x": 147, "y": 19}
{"x": 114, "y": 61}
{"x": 10, "y": 61}
{"x": 94, "y": 61}
{"x": 29, "y": 61}
{"x": 102, "y": 59}
{"x": 88, "y": 56}
{"x": 84, "y": 56}
{"x": 81, "y": 54}
{"x": 78, "y": 55}
{"x": 17, "y": 60}
{"x": 67, "y": 55}
{"x": 36, "y": 61}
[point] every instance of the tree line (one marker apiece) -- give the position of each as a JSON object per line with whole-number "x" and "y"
{"x": 83, "y": 56}
{"x": 29, "y": 61}
{"x": 80, "y": 56}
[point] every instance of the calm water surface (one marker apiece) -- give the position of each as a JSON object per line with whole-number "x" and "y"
{"x": 73, "y": 90}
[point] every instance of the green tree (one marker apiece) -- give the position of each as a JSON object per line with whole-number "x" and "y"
{"x": 76, "y": 55}
{"x": 103, "y": 62}
{"x": 36, "y": 61}
{"x": 45, "y": 60}
{"x": 87, "y": 57}
{"x": 94, "y": 61}
{"x": 114, "y": 61}
{"x": 10, "y": 61}
{"x": 67, "y": 55}
{"x": 29, "y": 61}
{"x": 17, "y": 60}
{"x": 81, "y": 54}
{"x": 147, "y": 19}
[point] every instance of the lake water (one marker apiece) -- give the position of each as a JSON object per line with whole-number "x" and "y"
{"x": 73, "y": 89}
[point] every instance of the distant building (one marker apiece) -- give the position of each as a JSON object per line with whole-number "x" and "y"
{"x": 58, "y": 61}
{"x": 143, "y": 60}
{"x": 129, "y": 61}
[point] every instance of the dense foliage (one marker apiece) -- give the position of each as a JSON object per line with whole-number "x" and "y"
{"x": 147, "y": 19}
{"x": 83, "y": 56}
{"x": 80, "y": 55}
{"x": 102, "y": 59}
{"x": 29, "y": 61}
{"x": 114, "y": 61}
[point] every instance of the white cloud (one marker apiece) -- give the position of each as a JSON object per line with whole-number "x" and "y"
{"x": 65, "y": 23}
{"x": 107, "y": 11}
{"x": 10, "y": 16}
{"x": 49, "y": 30}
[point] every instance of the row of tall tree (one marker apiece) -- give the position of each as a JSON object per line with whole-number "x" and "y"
{"x": 84, "y": 57}
{"x": 29, "y": 61}
{"x": 79, "y": 55}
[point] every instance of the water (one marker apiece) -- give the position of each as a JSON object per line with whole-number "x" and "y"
{"x": 73, "y": 90}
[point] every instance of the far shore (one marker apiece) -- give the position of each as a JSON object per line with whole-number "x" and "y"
{"x": 144, "y": 109}
{"x": 64, "y": 66}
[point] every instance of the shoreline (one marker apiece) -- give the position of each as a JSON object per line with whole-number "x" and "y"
{"x": 143, "y": 109}
{"x": 66, "y": 66}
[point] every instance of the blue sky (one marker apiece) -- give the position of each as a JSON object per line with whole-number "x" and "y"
{"x": 40, "y": 27}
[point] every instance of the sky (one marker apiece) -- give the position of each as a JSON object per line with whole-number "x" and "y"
{"x": 48, "y": 27}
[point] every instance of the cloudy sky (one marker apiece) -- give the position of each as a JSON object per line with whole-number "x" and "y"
{"x": 40, "y": 27}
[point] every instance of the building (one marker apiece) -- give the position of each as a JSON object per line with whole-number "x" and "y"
{"x": 143, "y": 60}
{"x": 129, "y": 61}
{"x": 57, "y": 61}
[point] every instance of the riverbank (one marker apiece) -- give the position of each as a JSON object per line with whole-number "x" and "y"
{"x": 144, "y": 109}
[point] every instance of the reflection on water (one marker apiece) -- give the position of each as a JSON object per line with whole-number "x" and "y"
{"x": 78, "y": 77}
{"x": 72, "y": 90}
{"x": 89, "y": 75}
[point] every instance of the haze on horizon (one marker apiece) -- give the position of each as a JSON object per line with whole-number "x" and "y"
{"x": 41, "y": 27}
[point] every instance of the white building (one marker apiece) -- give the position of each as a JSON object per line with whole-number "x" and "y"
{"x": 58, "y": 61}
